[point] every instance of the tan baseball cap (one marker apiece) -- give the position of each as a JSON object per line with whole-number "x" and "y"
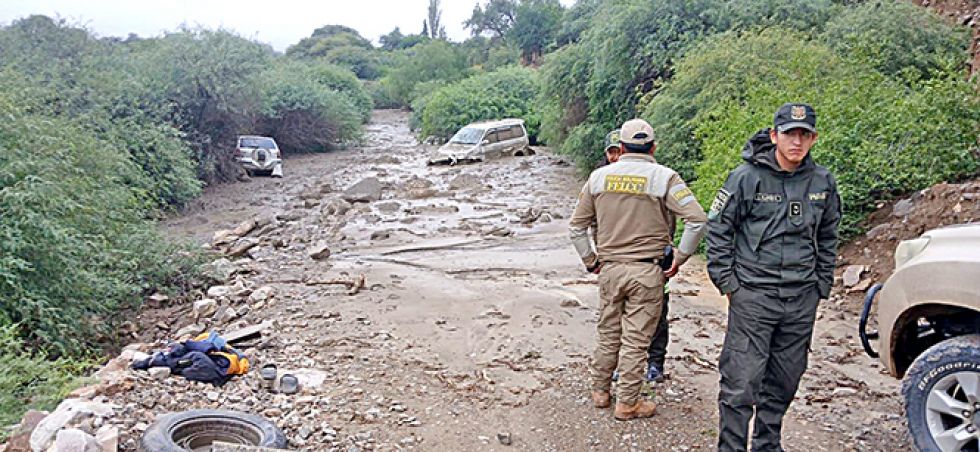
{"x": 636, "y": 131}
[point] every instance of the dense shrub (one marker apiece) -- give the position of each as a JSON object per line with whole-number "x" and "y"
{"x": 74, "y": 247}
{"x": 877, "y": 135}
{"x": 29, "y": 380}
{"x": 434, "y": 60}
{"x": 303, "y": 114}
{"x": 629, "y": 49}
{"x": 898, "y": 38}
{"x": 507, "y": 93}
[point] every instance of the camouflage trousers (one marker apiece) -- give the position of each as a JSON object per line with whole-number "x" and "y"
{"x": 631, "y": 297}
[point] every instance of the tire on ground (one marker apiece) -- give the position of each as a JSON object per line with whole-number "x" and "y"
{"x": 958, "y": 354}
{"x": 167, "y": 432}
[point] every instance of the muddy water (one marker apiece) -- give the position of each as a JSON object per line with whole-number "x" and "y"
{"x": 485, "y": 315}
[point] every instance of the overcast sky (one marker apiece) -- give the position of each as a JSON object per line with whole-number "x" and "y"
{"x": 277, "y": 22}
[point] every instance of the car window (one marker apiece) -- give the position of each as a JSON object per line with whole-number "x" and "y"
{"x": 257, "y": 142}
{"x": 492, "y": 137}
{"x": 517, "y": 131}
{"x": 467, "y": 135}
{"x": 504, "y": 134}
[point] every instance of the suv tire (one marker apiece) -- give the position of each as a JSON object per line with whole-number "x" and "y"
{"x": 194, "y": 429}
{"x": 942, "y": 395}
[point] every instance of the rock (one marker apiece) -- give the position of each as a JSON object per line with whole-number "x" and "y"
{"x": 505, "y": 438}
{"x": 380, "y": 235}
{"x": 213, "y": 396}
{"x": 335, "y": 206}
{"x": 319, "y": 251}
{"x": 220, "y": 270}
{"x": 159, "y": 373}
{"x": 497, "y": 231}
{"x": 571, "y": 303}
{"x": 68, "y": 410}
{"x": 366, "y": 190}
{"x": 205, "y": 308}
{"x": 244, "y": 228}
{"x": 158, "y": 298}
{"x": 388, "y": 207}
{"x": 190, "y": 330}
{"x": 108, "y": 438}
{"x": 292, "y": 215}
{"x": 861, "y": 286}
{"x": 310, "y": 378}
{"x": 219, "y": 291}
{"x": 878, "y": 231}
{"x": 223, "y": 237}
{"x": 305, "y": 432}
{"x": 225, "y": 314}
{"x": 902, "y": 208}
{"x": 262, "y": 294}
{"x": 852, "y": 274}
{"x": 75, "y": 440}
{"x": 242, "y": 246}
{"x": 844, "y": 391}
{"x": 20, "y": 438}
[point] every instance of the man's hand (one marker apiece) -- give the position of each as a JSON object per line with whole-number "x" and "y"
{"x": 674, "y": 267}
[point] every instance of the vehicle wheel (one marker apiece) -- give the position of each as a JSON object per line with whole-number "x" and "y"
{"x": 198, "y": 429}
{"x": 942, "y": 396}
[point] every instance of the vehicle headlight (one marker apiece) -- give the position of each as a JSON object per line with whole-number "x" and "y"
{"x": 908, "y": 249}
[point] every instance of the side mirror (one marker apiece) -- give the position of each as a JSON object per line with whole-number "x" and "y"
{"x": 487, "y": 141}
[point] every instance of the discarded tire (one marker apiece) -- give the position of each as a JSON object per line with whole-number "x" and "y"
{"x": 197, "y": 430}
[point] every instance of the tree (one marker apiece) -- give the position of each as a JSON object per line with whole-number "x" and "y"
{"x": 536, "y": 23}
{"x": 392, "y": 40}
{"x": 496, "y": 18}
{"x": 327, "y": 38}
{"x": 435, "y": 27}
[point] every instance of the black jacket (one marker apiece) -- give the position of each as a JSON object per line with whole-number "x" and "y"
{"x": 773, "y": 230}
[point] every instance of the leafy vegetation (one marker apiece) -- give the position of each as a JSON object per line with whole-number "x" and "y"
{"x": 877, "y": 135}
{"x": 507, "y": 93}
{"x": 29, "y": 379}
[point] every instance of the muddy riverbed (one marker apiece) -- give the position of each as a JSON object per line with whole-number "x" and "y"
{"x": 475, "y": 321}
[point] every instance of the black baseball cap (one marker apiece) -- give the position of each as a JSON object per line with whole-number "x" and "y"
{"x": 795, "y": 116}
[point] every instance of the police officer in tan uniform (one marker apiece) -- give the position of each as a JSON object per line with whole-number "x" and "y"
{"x": 631, "y": 201}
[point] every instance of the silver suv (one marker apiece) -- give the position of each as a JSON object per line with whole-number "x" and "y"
{"x": 259, "y": 155}
{"x": 482, "y": 140}
{"x": 929, "y": 331}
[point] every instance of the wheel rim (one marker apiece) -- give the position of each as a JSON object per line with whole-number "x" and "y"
{"x": 198, "y": 434}
{"x": 952, "y": 412}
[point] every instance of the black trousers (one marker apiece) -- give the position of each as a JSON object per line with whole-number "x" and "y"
{"x": 762, "y": 360}
{"x": 657, "y": 351}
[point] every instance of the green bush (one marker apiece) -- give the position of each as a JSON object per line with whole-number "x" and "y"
{"x": 629, "y": 50}
{"x": 507, "y": 93}
{"x": 303, "y": 114}
{"x": 898, "y": 38}
{"x": 74, "y": 247}
{"x": 877, "y": 135}
{"x": 431, "y": 61}
{"x": 29, "y": 380}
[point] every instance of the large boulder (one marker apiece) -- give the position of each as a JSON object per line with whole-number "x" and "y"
{"x": 366, "y": 190}
{"x": 75, "y": 440}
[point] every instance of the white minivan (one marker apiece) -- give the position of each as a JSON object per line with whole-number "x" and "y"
{"x": 482, "y": 140}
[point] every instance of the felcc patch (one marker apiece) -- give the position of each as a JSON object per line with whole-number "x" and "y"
{"x": 719, "y": 203}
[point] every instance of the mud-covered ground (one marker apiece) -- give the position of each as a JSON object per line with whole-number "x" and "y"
{"x": 475, "y": 322}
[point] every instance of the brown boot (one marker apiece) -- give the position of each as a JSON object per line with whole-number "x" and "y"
{"x": 600, "y": 399}
{"x": 642, "y": 408}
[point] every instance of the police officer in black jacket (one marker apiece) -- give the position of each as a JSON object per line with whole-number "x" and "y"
{"x": 772, "y": 243}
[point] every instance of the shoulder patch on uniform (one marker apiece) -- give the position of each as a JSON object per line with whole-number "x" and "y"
{"x": 634, "y": 185}
{"x": 719, "y": 203}
{"x": 681, "y": 194}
